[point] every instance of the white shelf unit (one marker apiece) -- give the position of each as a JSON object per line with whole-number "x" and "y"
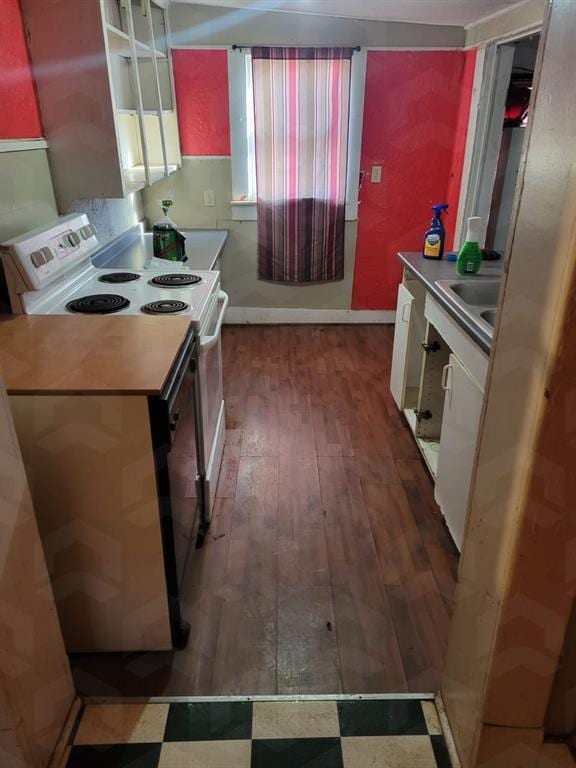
{"x": 108, "y": 107}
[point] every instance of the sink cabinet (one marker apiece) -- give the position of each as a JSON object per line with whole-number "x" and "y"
{"x": 460, "y": 421}
{"x": 104, "y": 79}
{"x": 437, "y": 380}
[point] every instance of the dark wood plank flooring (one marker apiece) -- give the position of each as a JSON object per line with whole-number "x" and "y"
{"x": 327, "y": 568}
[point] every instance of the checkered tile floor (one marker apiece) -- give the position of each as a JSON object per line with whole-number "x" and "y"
{"x": 401, "y": 733}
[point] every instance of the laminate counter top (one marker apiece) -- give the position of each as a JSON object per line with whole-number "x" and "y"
{"x": 54, "y": 354}
{"x": 134, "y": 249}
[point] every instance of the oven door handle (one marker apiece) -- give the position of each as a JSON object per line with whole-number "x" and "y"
{"x": 206, "y": 342}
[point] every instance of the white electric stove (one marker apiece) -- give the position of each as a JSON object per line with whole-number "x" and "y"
{"x": 49, "y": 271}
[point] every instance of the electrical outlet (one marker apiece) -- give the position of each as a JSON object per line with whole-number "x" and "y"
{"x": 376, "y": 176}
{"x": 209, "y": 198}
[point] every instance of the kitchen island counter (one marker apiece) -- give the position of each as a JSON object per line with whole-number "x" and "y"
{"x": 106, "y": 355}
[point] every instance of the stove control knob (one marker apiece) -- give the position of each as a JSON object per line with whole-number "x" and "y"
{"x": 87, "y": 231}
{"x": 37, "y": 258}
{"x": 47, "y": 253}
{"x": 73, "y": 239}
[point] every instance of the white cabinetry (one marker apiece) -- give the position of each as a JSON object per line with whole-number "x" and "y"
{"x": 409, "y": 334}
{"x": 437, "y": 379}
{"x": 460, "y": 421}
{"x": 104, "y": 78}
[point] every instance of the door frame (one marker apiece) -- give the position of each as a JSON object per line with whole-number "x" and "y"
{"x": 514, "y": 594}
{"x": 491, "y": 80}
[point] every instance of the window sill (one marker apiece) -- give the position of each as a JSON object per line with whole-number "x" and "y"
{"x": 245, "y": 210}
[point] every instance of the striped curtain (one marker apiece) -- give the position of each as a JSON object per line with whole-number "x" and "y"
{"x": 301, "y": 108}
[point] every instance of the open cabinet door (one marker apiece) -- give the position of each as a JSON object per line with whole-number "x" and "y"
{"x": 400, "y": 353}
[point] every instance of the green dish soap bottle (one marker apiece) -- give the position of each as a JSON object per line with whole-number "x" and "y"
{"x": 469, "y": 259}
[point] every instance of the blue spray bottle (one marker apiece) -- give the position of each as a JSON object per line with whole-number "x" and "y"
{"x": 435, "y": 236}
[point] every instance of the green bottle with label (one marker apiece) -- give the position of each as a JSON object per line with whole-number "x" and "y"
{"x": 168, "y": 242}
{"x": 470, "y": 258}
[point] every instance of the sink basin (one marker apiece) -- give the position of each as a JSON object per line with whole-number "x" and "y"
{"x": 473, "y": 301}
{"x": 478, "y": 293}
{"x": 490, "y": 316}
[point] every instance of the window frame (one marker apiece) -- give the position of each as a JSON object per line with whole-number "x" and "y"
{"x": 244, "y": 209}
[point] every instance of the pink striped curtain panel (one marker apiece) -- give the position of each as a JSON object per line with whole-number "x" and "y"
{"x": 301, "y": 109}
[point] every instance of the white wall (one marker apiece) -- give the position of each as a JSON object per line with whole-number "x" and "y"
{"x": 186, "y": 186}
{"x": 205, "y": 25}
{"x": 26, "y": 193}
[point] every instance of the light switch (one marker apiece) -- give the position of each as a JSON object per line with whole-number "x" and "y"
{"x": 209, "y": 198}
{"x": 376, "y": 176}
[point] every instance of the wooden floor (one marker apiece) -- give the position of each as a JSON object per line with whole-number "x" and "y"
{"x": 328, "y": 568}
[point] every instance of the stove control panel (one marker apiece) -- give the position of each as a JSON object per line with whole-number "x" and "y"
{"x": 48, "y": 253}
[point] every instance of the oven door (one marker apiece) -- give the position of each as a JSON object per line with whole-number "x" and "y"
{"x": 211, "y": 401}
{"x": 183, "y": 470}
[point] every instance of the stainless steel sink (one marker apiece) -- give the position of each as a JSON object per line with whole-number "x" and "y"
{"x": 474, "y": 300}
{"x": 481, "y": 293}
{"x": 490, "y": 316}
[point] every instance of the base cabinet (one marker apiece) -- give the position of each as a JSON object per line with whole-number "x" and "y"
{"x": 461, "y": 418}
{"x": 437, "y": 380}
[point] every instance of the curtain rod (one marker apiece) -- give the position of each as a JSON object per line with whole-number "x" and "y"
{"x": 237, "y": 47}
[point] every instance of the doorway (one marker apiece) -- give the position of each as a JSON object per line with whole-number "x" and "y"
{"x": 504, "y": 106}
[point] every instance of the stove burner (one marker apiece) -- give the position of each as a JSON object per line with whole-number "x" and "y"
{"x": 176, "y": 280}
{"x": 98, "y": 304}
{"x": 165, "y": 307}
{"x": 119, "y": 277}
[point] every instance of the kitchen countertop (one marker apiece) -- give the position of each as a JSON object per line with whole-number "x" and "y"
{"x": 53, "y": 354}
{"x": 134, "y": 249}
{"x": 429, "y": 271}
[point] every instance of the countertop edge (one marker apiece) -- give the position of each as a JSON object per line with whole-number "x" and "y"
{"x": 482, "y": 342}
{"x": 76, "y": 392}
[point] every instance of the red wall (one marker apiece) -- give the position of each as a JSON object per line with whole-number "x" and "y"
{"x": 415, "y": 120}
{"x": 19, "y": 114}
{"x": 201, "y": 83}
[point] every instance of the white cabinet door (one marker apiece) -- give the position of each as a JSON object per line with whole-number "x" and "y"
{"x": 460, "y": 422}
{"x": 402, "y": 332}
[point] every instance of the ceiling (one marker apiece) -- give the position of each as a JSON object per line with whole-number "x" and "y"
{"x": 458, "y": 13}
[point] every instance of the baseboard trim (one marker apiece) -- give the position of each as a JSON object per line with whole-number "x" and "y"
{"x": 288, "y": 316}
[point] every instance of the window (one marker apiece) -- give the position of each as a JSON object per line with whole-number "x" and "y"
{"x": 243, "y": 139}
{"x": 250, "y": 132}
